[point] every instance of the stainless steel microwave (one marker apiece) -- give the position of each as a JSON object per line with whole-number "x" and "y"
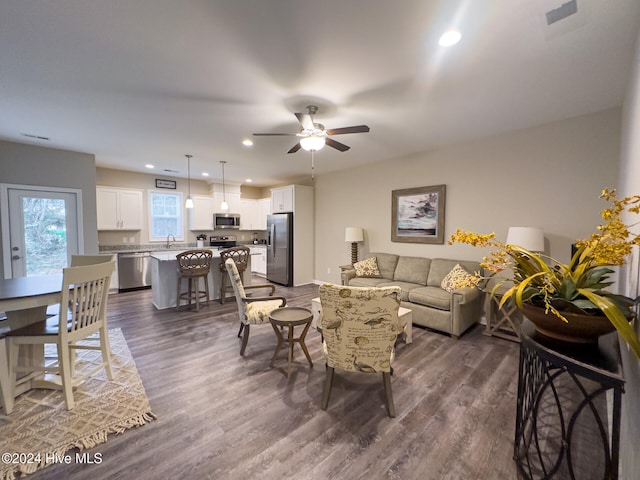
{"x": 226, "y": 221}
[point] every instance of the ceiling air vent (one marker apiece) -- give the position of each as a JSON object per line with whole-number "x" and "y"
{"x": 563, "y": 11}
{"x": 37, "y": 137}
{"x": 168, "y": 170}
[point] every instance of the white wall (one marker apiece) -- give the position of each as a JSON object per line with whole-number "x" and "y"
{"x": 549, "y": 176}
{"x": 39, "y": 166}
{"x": 629, "y": 184}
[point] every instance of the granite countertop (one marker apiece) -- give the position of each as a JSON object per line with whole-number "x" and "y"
{"x": 167, "y": 256}
{"x": 152, "y": 247}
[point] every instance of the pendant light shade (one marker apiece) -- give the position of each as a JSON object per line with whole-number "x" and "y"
{"x": 189, "y": 202}
{"x": 224, "y": 206}
{"x": 312, "y": 143}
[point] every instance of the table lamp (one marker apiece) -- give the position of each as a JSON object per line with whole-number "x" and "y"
{"x": 530, "y": 238}
{"x": 354, "y": 235}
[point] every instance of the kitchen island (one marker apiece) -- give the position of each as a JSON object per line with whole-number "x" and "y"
{"x": 164, "y": 277}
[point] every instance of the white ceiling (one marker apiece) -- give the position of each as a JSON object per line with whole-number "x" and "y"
{"x": 137, "y": 81}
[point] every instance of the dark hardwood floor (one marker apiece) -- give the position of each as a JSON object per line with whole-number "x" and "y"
{"x": 223, "y": 416}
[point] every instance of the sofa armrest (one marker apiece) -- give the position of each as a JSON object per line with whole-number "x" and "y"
{"x": 466, "y": 309}
{"x": 466, "y": 295}
{"x": 347, "y": 275}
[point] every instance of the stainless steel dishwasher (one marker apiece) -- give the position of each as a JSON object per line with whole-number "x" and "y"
{"x": 134, "y": 270}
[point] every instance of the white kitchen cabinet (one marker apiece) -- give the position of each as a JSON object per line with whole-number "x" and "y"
{"x": 247, "y": 213}
{"x": 253, "y": 213}
{"x": 282, "y": 199}
{"x": 201, "y": 215}
{"x": 233, "y": 199}
{"x": 264, "y": 207}
{"x": 259, "y": 260}
{"x": 119, "y": 208}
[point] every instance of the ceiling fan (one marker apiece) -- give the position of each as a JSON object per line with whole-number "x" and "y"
{"x": 313, "y": 136}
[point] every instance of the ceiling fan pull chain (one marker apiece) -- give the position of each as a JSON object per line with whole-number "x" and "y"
{"x": 312, "y": 166}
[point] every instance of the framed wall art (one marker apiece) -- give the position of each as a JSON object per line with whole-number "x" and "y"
{"x": 417, "y": 214}
{"x": 165, "y": 183}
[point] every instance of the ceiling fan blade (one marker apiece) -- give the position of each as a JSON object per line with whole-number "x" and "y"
{"x": 295, "y": 148}
{"x": 305, "y": 120}
{"x": 274, "y": 134}
{"x": 337, "y": 145}
{"x": 354, "y": 129}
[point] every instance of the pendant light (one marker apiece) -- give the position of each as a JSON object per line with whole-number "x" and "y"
{"x": 189, "y": 202}
{"x": 224, "y": 206}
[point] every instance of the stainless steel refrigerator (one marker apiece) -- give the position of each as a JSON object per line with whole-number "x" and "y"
{"x": 280, "y": 248}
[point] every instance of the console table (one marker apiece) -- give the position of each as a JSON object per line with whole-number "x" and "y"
{"x": 563, "y": 430}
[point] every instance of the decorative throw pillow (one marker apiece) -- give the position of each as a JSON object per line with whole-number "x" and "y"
{"x": 367, "y": 268}
{"x": 458, "y": 277}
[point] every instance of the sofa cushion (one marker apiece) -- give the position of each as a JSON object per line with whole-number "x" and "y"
{"x": 458, "y": 277}
{"x": 386, "y": 263}
{"x": 431, "y": 297}
{"x": 412, "y": 270}
{"x": 405, "y": 288}
{"x": 367, "y": 282}
{"x": 440, "y": 267}
{"x": 367, "y": 268}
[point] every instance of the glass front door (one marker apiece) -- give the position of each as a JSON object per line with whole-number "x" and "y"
{"x": 43, "y": 231}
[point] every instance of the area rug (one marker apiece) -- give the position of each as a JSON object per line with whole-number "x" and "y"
{"x": 40, "y": 430}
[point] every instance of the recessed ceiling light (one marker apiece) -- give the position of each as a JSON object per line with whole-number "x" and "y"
{"x": 148, "y": 165}
{"x": 205, "y": 174}
{"x": 248, "y": 180}
{"x": 247, "y": 142}
{"x": 449, "y": 38}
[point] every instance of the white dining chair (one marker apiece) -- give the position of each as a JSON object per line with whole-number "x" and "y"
{"x": 84, "y": 291}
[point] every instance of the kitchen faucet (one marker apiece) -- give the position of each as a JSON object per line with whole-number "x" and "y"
{"x": 168, "y": 241}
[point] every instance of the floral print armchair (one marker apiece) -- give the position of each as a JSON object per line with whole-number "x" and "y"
{"x": 359, "y": 326}
{"x": 251, "y": 310}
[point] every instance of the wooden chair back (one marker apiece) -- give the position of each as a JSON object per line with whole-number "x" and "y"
{"x": 84, "y": 290}
{"x": 194, "y": 263}
{"x": 240, "y": 256}
{"x": 82, "y": 260}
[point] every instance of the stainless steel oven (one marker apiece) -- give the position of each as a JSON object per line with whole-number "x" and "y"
{"x": 226, "y": 221}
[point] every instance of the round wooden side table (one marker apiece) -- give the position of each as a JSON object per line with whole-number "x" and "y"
{"x": 291, "y": 317}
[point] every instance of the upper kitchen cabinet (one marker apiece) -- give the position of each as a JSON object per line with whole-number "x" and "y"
{"x": 201, "y": 215}
{"x": 119, "y": 208}
{"x": 282, "y": 199}
{"x": 253, "y": 213}
{"x": 233, "y": 199}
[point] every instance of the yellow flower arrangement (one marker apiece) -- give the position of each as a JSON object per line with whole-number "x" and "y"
{"x": 576, "y": 287}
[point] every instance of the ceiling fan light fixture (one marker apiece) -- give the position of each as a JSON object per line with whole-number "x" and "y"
{"x": 450, "y": 38}
{"x": 312, "y": 143}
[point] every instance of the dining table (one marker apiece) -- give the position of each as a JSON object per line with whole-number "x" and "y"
{"x": 24, "y": 301}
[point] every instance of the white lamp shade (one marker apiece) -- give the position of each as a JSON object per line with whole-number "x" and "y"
{"x": 188, "y": 203}
{"x": 312, "y": 142}
{"x": 530, "y": 238}
{"x": 224, "y": 206}
{"x": 354, "y": 234}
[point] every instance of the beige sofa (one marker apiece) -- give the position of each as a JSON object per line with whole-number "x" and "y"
{"x": 419, "y": 279}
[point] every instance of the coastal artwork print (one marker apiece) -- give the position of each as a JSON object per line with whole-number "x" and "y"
{"x": 417, "y": 214}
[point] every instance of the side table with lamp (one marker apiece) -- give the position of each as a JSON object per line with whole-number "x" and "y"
{"x": 354, "y": 235}
{"x": 506, "y": 322}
